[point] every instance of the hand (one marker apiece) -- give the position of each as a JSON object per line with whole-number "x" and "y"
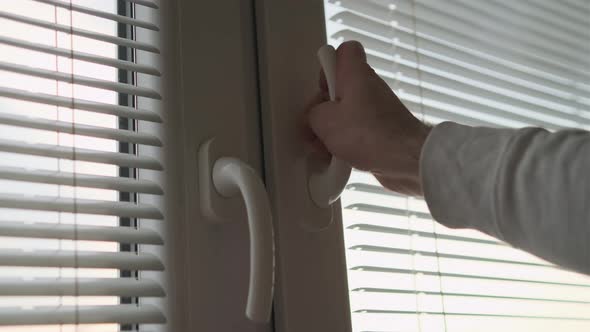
{"x": 367, "y": 126}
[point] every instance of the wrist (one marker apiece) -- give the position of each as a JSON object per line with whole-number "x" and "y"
{"x": 397, "y": 165}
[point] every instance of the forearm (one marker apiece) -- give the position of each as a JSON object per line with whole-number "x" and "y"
{"x": 527, "y": 187}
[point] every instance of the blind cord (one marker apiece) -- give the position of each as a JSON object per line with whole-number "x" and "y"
{"x": 74, "y": 169}
{"x": 58, "y": 164}
{"x": 413, "y": 260}
{"x": 397, "y": 74}
{"x": 74, "y": 158}
{"x": 422, "y": 113}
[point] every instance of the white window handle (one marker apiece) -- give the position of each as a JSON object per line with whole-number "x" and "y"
{"x": 326, "y": 187}
{"x": 231, "y": 177}
{"x": 220, "y": 180}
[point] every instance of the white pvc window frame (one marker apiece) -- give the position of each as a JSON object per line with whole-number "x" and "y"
{"x": 209, "y": 89}
{"x": 312, "y": 289}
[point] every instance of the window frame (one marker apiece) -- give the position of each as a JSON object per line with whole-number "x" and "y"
{"x": 312, "y": 287}
{"x": 205, "y": 260}
{"x": 288, "y": 76}
{"x": 207, "y": 79}
{"x": 273, "y": 44}
{"x": 124, "y": 76}
{"x": 122, "y": 8}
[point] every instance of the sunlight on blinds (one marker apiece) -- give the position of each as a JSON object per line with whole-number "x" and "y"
{"x": 490, "y": 63}
{"x": 69, "y": 229}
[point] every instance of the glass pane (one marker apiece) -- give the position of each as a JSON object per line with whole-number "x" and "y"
{"x": 491, "y": 63}
{"x": 8, "y": 79}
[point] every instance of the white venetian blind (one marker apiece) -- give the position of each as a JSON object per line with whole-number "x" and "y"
{"x": 479, "y": 62}
{"x": 71, "y": 211}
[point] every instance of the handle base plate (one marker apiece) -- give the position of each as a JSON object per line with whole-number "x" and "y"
{"x": 214, "y": 206}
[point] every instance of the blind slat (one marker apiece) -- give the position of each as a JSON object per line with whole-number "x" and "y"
{"x": 81, "y": 80}
{"x": 513, "y": 71}
{"x": 473, "y": 305}
{"x": 98, "y": 13}
{"x": 565, "y": 13}
{"x": 406, "y": 54}
{"x": 81, "y": 259}
{"x": 436, "y": 29}
{"x": 86, "y": 206}
{"x": 409, "y": 223}
{"x": 524, "y": 110}
{"x": 459, "y": 19}
{"x": 401, "y": 231}
{"x": 484, "y": 296}
{"x": 79, "y": 129}
{"x": 438, "y": 255}
{"x": 388, "y": 211}
{"x": 80, "y": 232}
{"x": 121, "y": 314}
{"x": 544, "y": 17}
{"x": 370, "y": 268}
{"x": 498, "y": 26}
{"x": 77, "y": 55}
{"x": 80, "y": 32}
{"x": 505, "y": 14}
{"x": 81, "y": 287}
{"x": 469, "y": 117}
{"x": 69, "y": 153}
{"x": 430, "y": 101}
{"x": 80, "y": 179}
{"x": 467, "y": 314}
{"x": 85, "y": 105}
{"x": 459, "y": 285}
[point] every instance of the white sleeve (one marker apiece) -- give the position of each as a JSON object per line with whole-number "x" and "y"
{"x": 528, "y": 187}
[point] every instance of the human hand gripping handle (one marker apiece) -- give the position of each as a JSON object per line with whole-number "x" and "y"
{"x": 364, "y": 124}
{"x": 326, "y": 187}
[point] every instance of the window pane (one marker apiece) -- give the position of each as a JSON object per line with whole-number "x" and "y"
{"x": 490, "y": 63}
{"x": 14, "y": 107}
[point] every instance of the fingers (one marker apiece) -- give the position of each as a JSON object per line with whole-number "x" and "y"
{"x": 351, "y": 53}
{"x": 352, "y": 68}
{"x": 317, "y": 149}
{"x": 321, "y": 115}
{"x": 323, "y": 82}
{"x": 318, "y": 98}
{"x": 305, "y": 126}
{"x": 351, "y": 62}
{"x": 312, "y": 143}
{"x": 321, "y": 119}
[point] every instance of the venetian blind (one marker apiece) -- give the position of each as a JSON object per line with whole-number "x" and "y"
{"x": 486, "y": 62}
{"x": 72, "y": 221}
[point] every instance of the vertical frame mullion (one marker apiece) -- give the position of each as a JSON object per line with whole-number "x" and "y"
{"x": 312, "y": 286}
{"x": 125, "y": 8}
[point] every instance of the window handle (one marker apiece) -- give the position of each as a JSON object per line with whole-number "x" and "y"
{"x": 232, "y": 177}
{"x": 222, "y": 180}
{"x": 326, "y": 187}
